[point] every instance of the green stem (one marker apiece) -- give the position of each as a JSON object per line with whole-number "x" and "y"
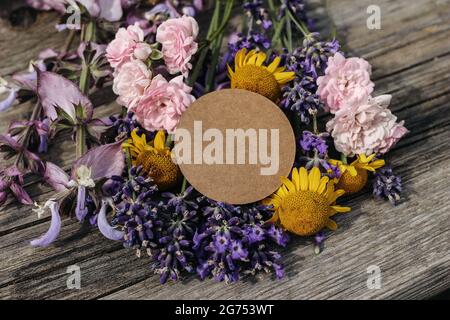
{"x": 343, "y": 158}
{"x": 226, "y": 17}
{"x": 214, "y": 61}
{"x": 213, "y": 32}
{"x": 183, "y": 185}
{"x": 129, "y": 164}
{"x": 214, "y": 20}
{"x": 80, "y": 141}
{"x": 289, "y": 34}
{"x": 198, "y": 67}
{"x": 300, "y": 25}
{"x": 169, "y": 140}
{"x": 84, "y": 78}
{"x": 89, "y": 32}
{"x": 276, "y": 39}
{"x": 315, "y": 129}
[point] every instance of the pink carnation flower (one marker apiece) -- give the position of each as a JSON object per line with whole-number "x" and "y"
{"x": 177, "y": 37}
{"x": 368, "y": 128}
{"x": 130, "y": 82}
{"x": 163, "y": 103}
{"x": 127, "y": 45}
{"x": 346, "y": 82}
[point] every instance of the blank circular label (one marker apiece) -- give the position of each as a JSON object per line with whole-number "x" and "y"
{"x": 233, "y": 145}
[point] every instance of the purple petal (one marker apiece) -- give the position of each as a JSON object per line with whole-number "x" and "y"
{"x": 46, "y": 5}
{"x": 56, "y": 91}
{"x": 53, "y": 231}
{"x": 47, "y": 54}
{"x": 98, "y": 126}
{"x": 28, "y": 80}
{"x": 81, "y": 211}
{"x": 104, "y": 161}
{"x": 110, "y": 10}
{"x": 198, "y": 4}
{"x": 91, "y": 6}
{"x": 105, "y": 228}
{"x": 9, "y": 141}
{"x": 56, "y": 177}
{"x": 9, "y": 100}
{"x": 20, "y": 193}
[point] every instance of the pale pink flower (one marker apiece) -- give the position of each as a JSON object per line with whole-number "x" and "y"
{"x": 177, "y": 37}
{"x": 130, "y": 82}
{"x": 128, "y": 45}
{"x": 163, "y": 103}
{"x": 346, "y": 82}
{"x": 368, "y": 128}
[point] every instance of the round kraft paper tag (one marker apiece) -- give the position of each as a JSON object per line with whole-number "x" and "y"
{"x": 233, "y": 145}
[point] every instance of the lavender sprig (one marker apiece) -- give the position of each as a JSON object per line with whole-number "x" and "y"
{"x": 235, "y": 240}
{"x": 387, "y": 185}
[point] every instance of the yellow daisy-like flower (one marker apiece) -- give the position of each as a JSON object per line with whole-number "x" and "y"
{"x": 354, "y": 176}
{"x": 154, "y": 158}
{"x": 304, "y": 204}
{"x": 250, "y": 74}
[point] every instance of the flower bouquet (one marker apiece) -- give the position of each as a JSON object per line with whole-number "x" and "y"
{"x": 158, "y": 61}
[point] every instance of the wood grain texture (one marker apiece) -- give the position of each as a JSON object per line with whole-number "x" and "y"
{"x": 410, "y": 243}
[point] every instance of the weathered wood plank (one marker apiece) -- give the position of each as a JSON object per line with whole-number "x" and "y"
{"x": 20, "y": 46}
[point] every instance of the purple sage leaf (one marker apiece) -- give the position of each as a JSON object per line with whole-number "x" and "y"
{"x": 56, "y": 177}
{"x": 53, "y": 232}
{"x": 110, "y": 10}
{"x": 20, "y": 193}
{"x": 56, "y": 91}
{"x": 104, "y": 161}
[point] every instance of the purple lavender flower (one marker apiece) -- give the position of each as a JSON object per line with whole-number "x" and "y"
{"x": 301, "y": 98}
{"x": 311, "y": 142}
{"x": 296, "y": 6}
{"x": 257, "y": 14}
{"x": 136, "y": 209}
{"x": 124, "y": 125}
{"x": 234, "y": 240}
{"x": 387, "y": 185}
{"x": 181, "y": 202}
{"x": 315, "y": 53}
{"x": 175, "y": 253}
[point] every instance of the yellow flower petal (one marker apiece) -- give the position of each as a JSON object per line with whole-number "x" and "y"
{"x": 304, "y": 183}
{"x": 230, "y": 71}
{"x": 261, "y": 57}
{"x": 331, "y": 225}
{"x": 314, "y": 179}
{"x": 296, "y": 179}
{"x": 288, "y": 184}
{"x": 160, "y": 140}
{"x": 341, "y": 209}
{"x": 284, "y": 77}
{"x": 323, "y": 184}
{"x": 352, "y": 171}
{"x": 274, "y": 65}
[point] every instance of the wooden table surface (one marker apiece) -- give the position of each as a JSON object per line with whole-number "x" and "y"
{"x": 409, "y": 243}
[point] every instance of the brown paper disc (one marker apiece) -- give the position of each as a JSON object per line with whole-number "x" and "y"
{"x": 232, "y": 182}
